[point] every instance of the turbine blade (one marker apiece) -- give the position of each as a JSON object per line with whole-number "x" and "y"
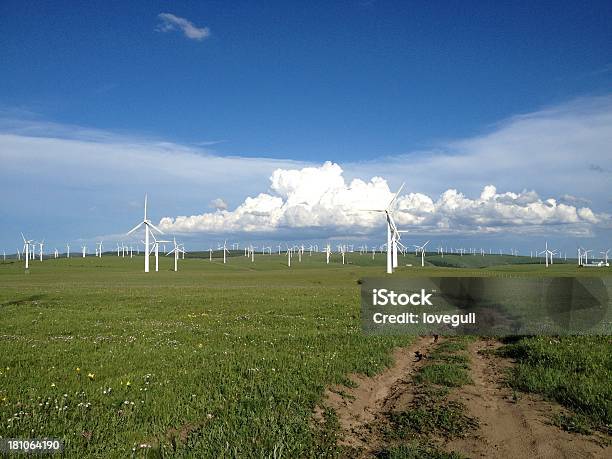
{"x": 155, "y": 228}
{"x": 135, "y": 228}
{"x": 396, "y": 195}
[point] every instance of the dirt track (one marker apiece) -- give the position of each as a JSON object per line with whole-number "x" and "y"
{"x": 513, "y": 426}
{"x": 509, "y": 426}
{"x": 361, "y": 410}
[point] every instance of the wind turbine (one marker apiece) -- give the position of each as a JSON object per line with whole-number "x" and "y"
{"x": 155, "y": 248}
{"x": 100, "y": 249}
{"x": 176, "y": 250}
{"x": 421, "y": 248}
{"x": 225, "y": 252}
{"x": 327, "y": 253}
{"x": 392, "y": 233}
{"x": 67, "y": 250}
{"x": 548, "y": 253}
{"x": 26, "y": 245}
{"x": 148, "y": 226}
{"x": 84, "y": 247}
{"x": 605, "y": 256}
{"x": 584, "y": 257}
{"x": 41, "y": 244}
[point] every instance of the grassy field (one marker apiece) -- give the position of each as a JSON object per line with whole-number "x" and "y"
{"x": 215, "y": 359}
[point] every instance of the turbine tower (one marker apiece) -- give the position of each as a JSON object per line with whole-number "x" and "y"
{"x": 176, "y": 250}
{"x": 421, "y": 248}
{"x": 148, "y": 227}
{"x": 548, "y": 253}
{"x": 26, "y": 249}
{"x": 392, "y": 232}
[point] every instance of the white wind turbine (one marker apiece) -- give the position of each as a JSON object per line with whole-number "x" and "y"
{"x": 155, "y": 249}
{"x": 225, "y": 252}
{"x": 176, "y": 250}
{"x": 26, "y": 249}
{"x": 41, "y": 245}
{"x": 548, "y": 253}
{"x": 100, "y": 249}
{"x": 67, "y": 250}
{"x": 585, "y": 252}
{"x": 421, "y": 248}
{"x": 84, "y": 247}
{"x": 148, "y": 227}
{"x": 605, "y": 256}
{"x": 327, "y": 253}
{"x": 392, "y": 233}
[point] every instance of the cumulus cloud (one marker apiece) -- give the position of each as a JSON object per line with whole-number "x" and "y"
{"x": 562, "y": 152}
{"x": 171, "y": 22}
{"x": 218, "y": 204}
{"x": 321, "y": 197}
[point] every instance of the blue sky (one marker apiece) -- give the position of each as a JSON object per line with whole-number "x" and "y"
{"x": 291, "y": 84}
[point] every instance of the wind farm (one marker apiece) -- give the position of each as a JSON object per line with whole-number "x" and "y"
{"x": 359, "y": 230}
{"x": 225, "y": 324}
{"x": 181, "y": 355}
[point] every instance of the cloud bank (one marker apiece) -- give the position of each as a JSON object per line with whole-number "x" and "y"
{"x": 171, "y": 22}
{"x": 81, "y": 182}
{"x": 320, "y": 197}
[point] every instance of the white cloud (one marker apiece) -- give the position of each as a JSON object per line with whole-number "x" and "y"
{"x": 172, "y": 22}
{"x": 320, "y": 197}
{"x": 60, "y": 171}
{"x": 559, "y": 150}
{"x": 218, "y": 204}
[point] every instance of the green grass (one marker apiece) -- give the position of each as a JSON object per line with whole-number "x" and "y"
{"x": 432, "y": 414}
{"x": 416, "y": 450}
{"x": 447, "y": 419}
{"x": 575, "y": 371}
{"x": 443, "y": 374}
{"x": 220, "y": 359}
{"x": 447, "y": 366}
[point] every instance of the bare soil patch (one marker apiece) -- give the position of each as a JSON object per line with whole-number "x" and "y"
{"x": 511, "y": 424}
{"x": 362, "y": 410}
